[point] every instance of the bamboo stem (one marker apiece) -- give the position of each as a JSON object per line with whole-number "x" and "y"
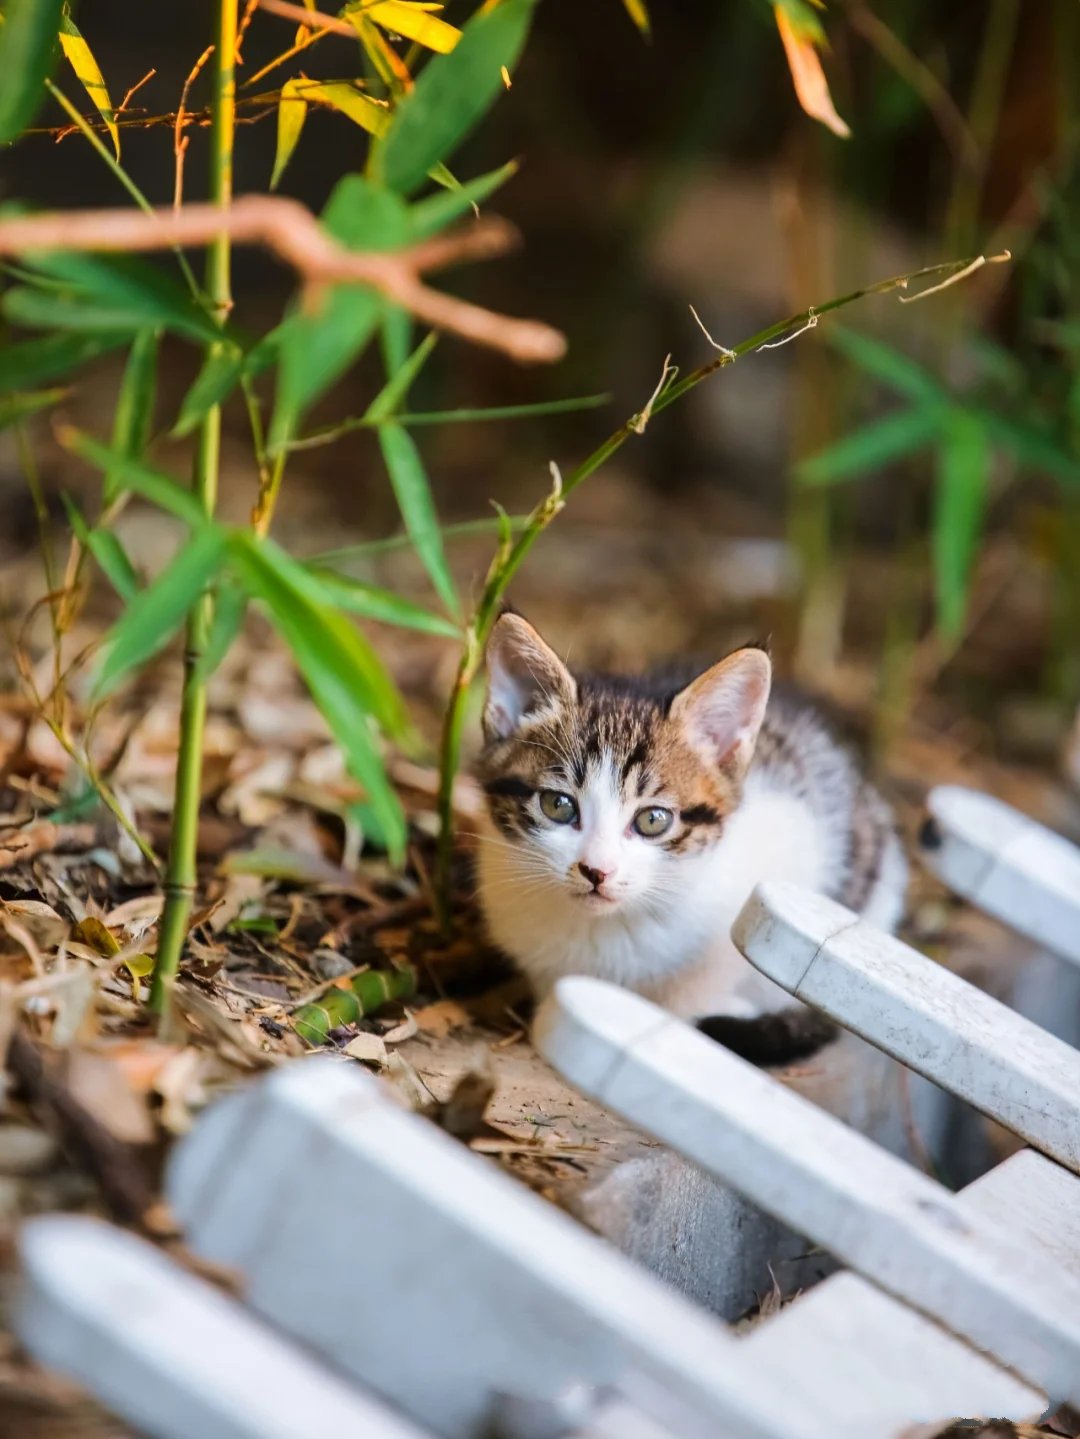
{"x": 181, "y": 871}
{"x": 490, "y": 603}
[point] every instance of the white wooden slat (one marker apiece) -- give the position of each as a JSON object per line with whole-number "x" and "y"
{"x": 1007, "y": 864}
{"x": 892, "y": 1224}
{"x": 1037, "y": 1200}
{"x": 420, "y": 1269}
{"x": 919, "y": 1012}
{"x": 169, "y": 1353}
{"x": 895, "y": 1367}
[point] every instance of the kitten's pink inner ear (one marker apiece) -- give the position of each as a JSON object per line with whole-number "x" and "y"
{"x": 722, "y": 710}
{"x": 525, "y": 677}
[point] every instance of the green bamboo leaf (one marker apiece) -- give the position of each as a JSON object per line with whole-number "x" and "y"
{"x": 397, "y": 387}
{"x": 317, "y": 348}
{"x": 33, "y": 362}
{"x": 435, "y": 212}
{"x": 155, "y": 613}
{"x": 887, "y": 365}
{"x": 292, "y": 112}
{"x": 81, "y": 60}
{"x": 346, "y": 679}
{"x": 873, "y": 446}
{"x": 27, "y": 53}
{"x": 225, "y": 366}
{"x": 373, "y": 603}
{"x": 418, "y": 509}
{"x": 92, "y": 288}
{"x": 222, "y": 371}
{"x": 107, "y": 550}
{"x": 133, "y": 474}
{"x": 1032, "y": 444}
{"x": 502, "y": 412}
{"x": 960, "y": 498}
{"x": 230, "y": 611}
{"x": 451, "y": 95}
{"x": 395, "y": 337}
{"x": 17, "y": 407}
{"x": 134, "y": 406}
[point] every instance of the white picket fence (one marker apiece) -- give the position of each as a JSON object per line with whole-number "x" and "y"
{"x": 394, "y": 1284}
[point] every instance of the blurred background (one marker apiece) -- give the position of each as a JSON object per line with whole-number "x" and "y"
{"x": 924, "y": 575}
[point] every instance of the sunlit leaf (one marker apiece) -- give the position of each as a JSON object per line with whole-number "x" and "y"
{"x": 17, "y": 407}
{"x": 107, "y": 550}
{"x": 81, "y": 60}
{"x": 639, "y": 14}
{"x": 418, "y": 508}
{"x": 435, "y": 212}
{"x": 346, "y": 679}
{"x": 415, "y": 22}
{"x": 807, "y": 75}
{"x": 387, "y": 63}
{"x": 27, "y": 52}
{"x": 154, "y": 615}
{"x": 960, "y": 497}
{"x": 133, "y": 474}
{"x": 317, "y": 347}
{"x": 369, "y": 114}
{"x": 32, "y": 362}
{"x": 371, "y": 602}
{"x": 134, "y": 406}
{"x": 292, "y": 112}
{"x": 875, "y": 445}
{"x": 887, "y": 365}
{"x": 451, "y": 95}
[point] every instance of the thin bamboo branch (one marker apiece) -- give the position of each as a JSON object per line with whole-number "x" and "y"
{"x": 489, "y": 605}
{"x": 181, "y": 872}
{"x": 291, "y": 232}
{"x": 313, "y": 19}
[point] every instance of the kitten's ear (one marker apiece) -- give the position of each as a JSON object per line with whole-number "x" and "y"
{"x": 720, "y": 713}
{"x": 525, "y": 678}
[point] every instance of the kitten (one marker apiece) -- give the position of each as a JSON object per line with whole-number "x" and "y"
{"x": 628, "y": 820}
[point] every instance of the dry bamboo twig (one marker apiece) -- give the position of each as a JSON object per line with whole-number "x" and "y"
{"x": 291, "y": 231}
{"x": 313, "y": 19}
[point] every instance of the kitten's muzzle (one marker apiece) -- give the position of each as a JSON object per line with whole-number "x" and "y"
{"x": 595, "y": 877}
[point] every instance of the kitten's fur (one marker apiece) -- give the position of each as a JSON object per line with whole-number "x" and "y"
{"x": 756, "y": 793}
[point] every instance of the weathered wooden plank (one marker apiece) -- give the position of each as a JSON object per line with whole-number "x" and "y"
{"x": 914, "y": 1009}
{"x": 420, "y": 1269}
{"x": 892, "y": 1224}
{"x": 1037, "y": 1200}
{"x": 895, "y": 1367}
{"x": 1007, "y": 864}
{"x": 169, "y": 1353}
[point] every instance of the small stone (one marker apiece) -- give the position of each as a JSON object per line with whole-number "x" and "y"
{"x": 331, "y": 964}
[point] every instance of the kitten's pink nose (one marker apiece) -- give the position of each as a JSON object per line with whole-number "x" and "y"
{"x": 595, "y": 877}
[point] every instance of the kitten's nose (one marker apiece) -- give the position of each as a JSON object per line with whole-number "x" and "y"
{"x": 595, "y": 877}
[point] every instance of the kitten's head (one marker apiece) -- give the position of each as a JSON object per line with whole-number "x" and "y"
{"x": 603, "y": 785}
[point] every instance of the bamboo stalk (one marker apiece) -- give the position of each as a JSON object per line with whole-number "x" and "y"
{"x": 345, "y": 1003}
{"x": 490, "y": 603}
{"x": 181, "y": 875}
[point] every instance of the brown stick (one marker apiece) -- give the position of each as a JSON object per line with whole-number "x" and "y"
{"x": 294, "y": 235}
{"x": 313, "y": 19}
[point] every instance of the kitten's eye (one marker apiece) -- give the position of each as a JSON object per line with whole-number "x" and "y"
{"x": 652, "y": 823}
{"x": 559, "y": 808}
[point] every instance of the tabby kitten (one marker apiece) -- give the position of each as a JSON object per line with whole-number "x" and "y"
{"x": 628, "y": 820}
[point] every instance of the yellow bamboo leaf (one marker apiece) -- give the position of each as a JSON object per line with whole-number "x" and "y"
{"x": 292, "y": 112}
{"x": 81, "y": 60}
{"x": 342, "y": 95}
{"x": 811, "y": 87}
{"x": 415, "y": 22}
{"x": 388, "y": 64}
{"x": 638, "y": 13}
